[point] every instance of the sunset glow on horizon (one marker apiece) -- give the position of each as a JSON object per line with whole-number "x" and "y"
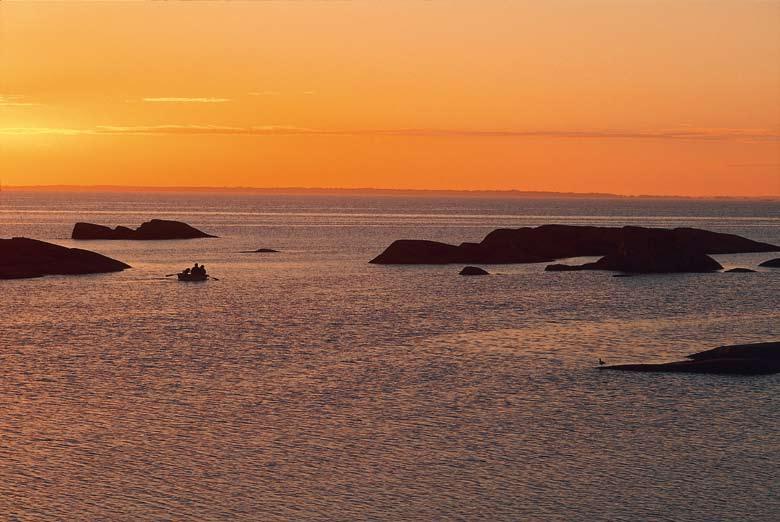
{"x": 667, "y": 98}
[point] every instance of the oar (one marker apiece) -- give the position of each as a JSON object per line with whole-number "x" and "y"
{"x": 169, "y": 275}
{"x": 214, "y": 278}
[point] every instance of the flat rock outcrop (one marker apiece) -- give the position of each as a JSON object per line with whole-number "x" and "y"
{"x": 156, "y": 229}
{"x": 473, "y": 271}
{"x": 550, "y": 242}
{"x": 21, "y": 257}
{"x": 260, "y": 251}
{"x": 740, "y": 359}
{"x": 772, "y": 263}
{"x": 739, "y": 271}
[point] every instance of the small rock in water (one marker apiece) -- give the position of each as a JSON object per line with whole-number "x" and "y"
{"x": 473, "y": 270}
{"x": 772, "y": 263}
{"x": 739, "y": 271}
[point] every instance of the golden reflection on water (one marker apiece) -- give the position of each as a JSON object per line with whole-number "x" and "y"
{"x": 312, "y": 385}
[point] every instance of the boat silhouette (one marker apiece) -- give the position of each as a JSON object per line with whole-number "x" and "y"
{"x": 192, "y": 277}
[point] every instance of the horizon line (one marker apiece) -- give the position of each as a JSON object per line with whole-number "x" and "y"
{"x": 366, "y": 190}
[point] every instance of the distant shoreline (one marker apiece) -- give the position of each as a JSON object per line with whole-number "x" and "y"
{"x": 371, "y": 192}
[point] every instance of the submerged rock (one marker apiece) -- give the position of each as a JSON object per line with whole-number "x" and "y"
{"x": 740, "y": 359}
{"x": 473, "y": 271}
{"x": 156, "y": 229}
{"x": 738, "y": 271}
{"x": 24, "y": 258}
{"x": 772, "y": 263}
{"x": 550, "y": 242}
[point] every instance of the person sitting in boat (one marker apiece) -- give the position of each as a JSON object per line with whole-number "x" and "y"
{"x": 198, "y": 270}
{"x": 186, "y": 272}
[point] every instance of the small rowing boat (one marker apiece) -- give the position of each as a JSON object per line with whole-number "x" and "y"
{"x": 192, "y": 277}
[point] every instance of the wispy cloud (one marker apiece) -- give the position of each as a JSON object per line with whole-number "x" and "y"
{"x": 186, "y": 100}
{"x": 161, "y": 130}
{"x": 287, "y": 130}
{"x": 665, "y": 134}
{"x": 40, "y": 131}
{"x": 15, "y": 101}
{"x": 278, "y": 93}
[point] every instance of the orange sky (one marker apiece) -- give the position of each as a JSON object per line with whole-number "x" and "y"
{"x": 678, "y": 97}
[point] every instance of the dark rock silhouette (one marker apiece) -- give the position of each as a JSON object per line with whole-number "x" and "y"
{"x": 156, "y": 229}
{"x": 565, "y": 268}
{"x": 652, "y": 262}
{"x": 550, "y": 242}
{"x": 413, "y": 251}
{"x": 772, "y": 263}
{"x": 260, "y": 251}
{"x": 473, "y": 271}
{"x": 738, "y": 271}
{"x": 740, "y": 359}
{"x": 22, "y": 258}
{"x": 766, "y": 351}
{"x": 650, "y": 251}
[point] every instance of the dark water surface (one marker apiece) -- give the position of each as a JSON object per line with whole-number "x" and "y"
{"x": 310, "y": 385}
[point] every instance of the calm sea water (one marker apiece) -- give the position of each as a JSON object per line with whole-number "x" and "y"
{"x": 310, "y": 385}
